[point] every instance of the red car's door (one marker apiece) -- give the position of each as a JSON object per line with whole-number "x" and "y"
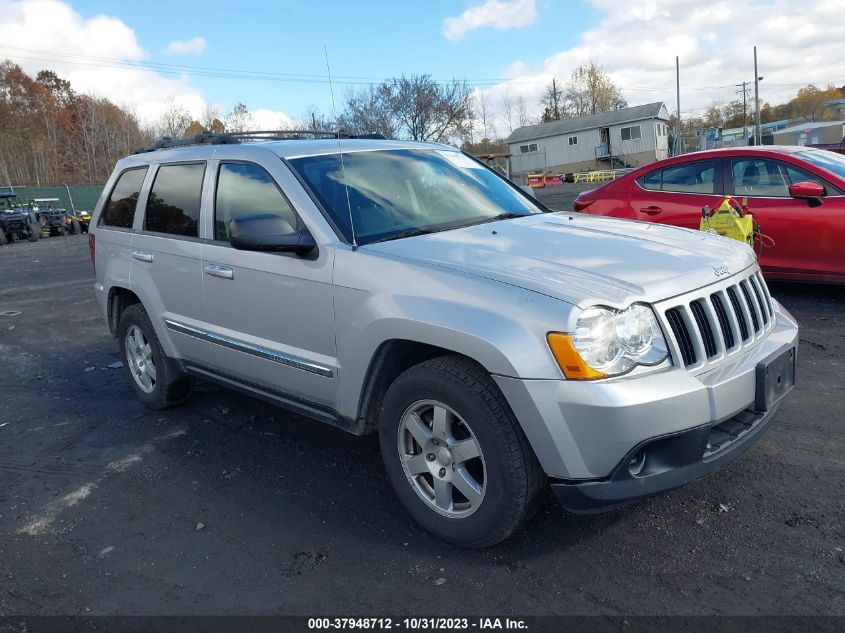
{"x": 675, "y": 194}
{"x": 807, "y": 240}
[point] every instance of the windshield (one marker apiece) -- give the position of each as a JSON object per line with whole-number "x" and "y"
{"x": 398, "y": 193}
{"x": 831, "y": 161}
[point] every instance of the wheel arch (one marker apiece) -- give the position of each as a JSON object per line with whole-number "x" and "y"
{"x": 119, "y": 299}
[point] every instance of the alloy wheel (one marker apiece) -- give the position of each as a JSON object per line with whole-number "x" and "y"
{"x": 442, "y": 459}
{"x": 139, "y": 356}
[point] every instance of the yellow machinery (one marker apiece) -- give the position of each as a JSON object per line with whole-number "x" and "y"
{"x": 731, "y": 220}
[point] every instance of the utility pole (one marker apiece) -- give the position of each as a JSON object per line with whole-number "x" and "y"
{"x": 757, "y": 135}
{"x": 744, "y": 110}
{"x": 677, "y": 147}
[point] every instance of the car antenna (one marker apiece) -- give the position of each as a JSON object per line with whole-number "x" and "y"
{"x": 340, "y": 150}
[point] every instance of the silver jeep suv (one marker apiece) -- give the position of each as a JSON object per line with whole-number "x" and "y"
{"x": 406, "y": 289}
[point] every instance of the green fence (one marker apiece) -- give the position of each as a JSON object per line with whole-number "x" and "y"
{"x": 84, "y": 197}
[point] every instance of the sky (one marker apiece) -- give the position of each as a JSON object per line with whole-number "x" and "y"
{"x": 271, "y": 56}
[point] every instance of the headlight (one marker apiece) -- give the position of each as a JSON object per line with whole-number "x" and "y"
{"x": 609, "y": 342}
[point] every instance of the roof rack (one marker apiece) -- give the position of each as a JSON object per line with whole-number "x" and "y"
{"x": 235, "y": 138}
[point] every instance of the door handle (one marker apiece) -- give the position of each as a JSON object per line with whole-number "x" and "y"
{"x": 142, "y": 256}
{"x": 216, "y": 270}
{"x": 651, "y": 210}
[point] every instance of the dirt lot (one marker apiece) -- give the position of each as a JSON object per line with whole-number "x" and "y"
{"x": 226, "y": 505}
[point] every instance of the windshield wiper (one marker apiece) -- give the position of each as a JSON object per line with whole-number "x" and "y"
{"x": 403, "y": 234}
{"x": 507, "y": 215}
{"x": 414, "y": 232}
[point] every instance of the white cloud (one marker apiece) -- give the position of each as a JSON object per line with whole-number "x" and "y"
{"x": 496, "y": 14}
{"x": 798, "y": 42}
{"x": 263, "y": 119}
{"x": 39, "y": 34}
{"x": 180, "y": 47}
{"x": 96, "y": 55}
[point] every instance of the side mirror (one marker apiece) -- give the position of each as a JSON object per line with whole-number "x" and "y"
{"x": 269, "y": 232}
{"x": 808, "y": 190}
{"x": 529, "y": 190}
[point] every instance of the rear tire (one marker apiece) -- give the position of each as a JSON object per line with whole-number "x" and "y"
{"x": 506, "y": 478}
{"x": 13, "y": 237}
{"x": 75, "y": 228}
{"x": 156, "y": 379}
{"x": 2, "y": 237}
{"x": 34, "y": 232}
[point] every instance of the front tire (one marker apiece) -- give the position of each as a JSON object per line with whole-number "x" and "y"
{"x": 75, "y": 228}
{"x": 156, "y": 379}
{"x": 456, "y": 455}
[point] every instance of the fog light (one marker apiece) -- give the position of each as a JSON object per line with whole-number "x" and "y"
{"x": 637, "y": 463}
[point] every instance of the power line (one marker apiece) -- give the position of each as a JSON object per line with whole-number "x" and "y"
{"x": 32, "y": 54}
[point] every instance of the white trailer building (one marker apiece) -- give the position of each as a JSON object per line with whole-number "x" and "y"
{"x": 629, "y": 137}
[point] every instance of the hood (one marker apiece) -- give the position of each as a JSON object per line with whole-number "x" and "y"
{"x": 581, "y": 259}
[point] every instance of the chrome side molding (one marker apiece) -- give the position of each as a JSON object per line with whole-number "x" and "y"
{"x": 247, "y": 348}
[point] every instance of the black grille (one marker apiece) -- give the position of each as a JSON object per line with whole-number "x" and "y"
{"x": 704, "y": 327}
{"x": 682, "y": 335}
{"x": 740, "y": 317}
{"x": 763, "y": 312}
{"x": 751, "y": 308}
{"x": 766, "y": 296}
{"x": 724, "y": 324}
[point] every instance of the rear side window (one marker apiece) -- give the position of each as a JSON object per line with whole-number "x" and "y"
{"x": 697, "y": 177}
{"x": 174, "y": 203}
{"x": 120, "y": 208}
{"x": 247, "y": 189}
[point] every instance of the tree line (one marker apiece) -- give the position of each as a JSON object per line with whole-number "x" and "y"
{"x": 811, "y": 103}
{"x": 50, "y": 134}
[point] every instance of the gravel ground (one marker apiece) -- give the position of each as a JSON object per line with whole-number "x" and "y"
{"x": 226, "y": 505}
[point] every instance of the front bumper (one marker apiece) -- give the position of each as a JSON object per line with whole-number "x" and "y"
{"x": 663, "y": 463}
{"x": 586, "y": 433}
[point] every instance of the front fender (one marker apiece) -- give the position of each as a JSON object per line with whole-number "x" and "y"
{"x": 501, "y": 327}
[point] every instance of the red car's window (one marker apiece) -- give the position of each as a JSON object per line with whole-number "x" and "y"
{"x": 695, "y": 177}
{"x": 759, "y": 177}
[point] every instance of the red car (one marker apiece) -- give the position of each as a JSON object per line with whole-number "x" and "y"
{"x": 796, "y": 195}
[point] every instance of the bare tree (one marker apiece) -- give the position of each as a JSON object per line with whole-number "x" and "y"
{"x": 523, "y": 117}
{"x": 367, "y": 112}
{"x": 315, "y": 120}
{"x": 507, "y": 105}
{"x": 239, "y": 119}
{"x": 174, "y": 120}
{"x": 552, "y": 101}
{"x": 211, "y": 119}
{"x": 426, "y": 110}
{"x": 483, "y": 107}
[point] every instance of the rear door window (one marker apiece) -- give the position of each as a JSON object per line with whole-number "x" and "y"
{"x": 120, "y": 207}
{"x": 695, "y": 177}
{"x": 174, "y": 203}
